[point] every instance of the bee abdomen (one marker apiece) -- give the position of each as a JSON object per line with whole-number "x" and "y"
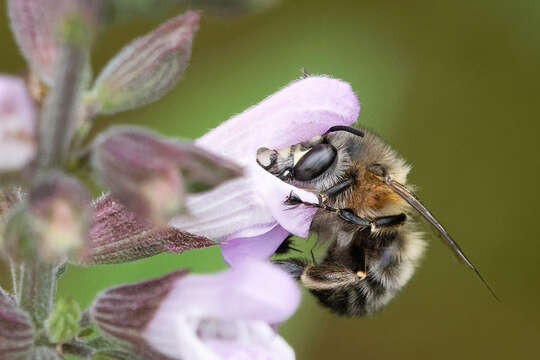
{"x": 362, "y": 297}
{"x": 344, "y": 291}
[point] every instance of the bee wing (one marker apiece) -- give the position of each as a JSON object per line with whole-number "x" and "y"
{"x": 411, "y": 198}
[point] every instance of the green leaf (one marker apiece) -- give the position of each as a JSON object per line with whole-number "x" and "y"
{"x": 63, "y": 324}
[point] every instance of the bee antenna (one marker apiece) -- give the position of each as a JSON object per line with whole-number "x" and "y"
{"x": 348, "y": 129}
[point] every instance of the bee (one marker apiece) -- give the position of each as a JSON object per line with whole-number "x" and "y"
{"x": 365, "y": 216}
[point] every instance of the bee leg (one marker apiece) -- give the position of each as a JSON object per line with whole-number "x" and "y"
{"x": 389, "y": 221}
{"x": 345, "y": 214}
{"x": 294, "y": 267}
{"x": 349, "y": 216}
{"x": 338, "y": 188}
{"x": 294, "y": 199}
{"x": 361, "y": 271}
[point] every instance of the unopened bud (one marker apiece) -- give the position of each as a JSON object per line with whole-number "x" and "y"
{"x": 148, "y": 67}
{"x": 16, "y": 331}
{"x": 145, "y": 172}
{"x": 40, "y": 26}
{"x": 17, "y": 123}
{"x": 58, "y": 216}
{"x": 117, "y": 235}
{"x": 18, "y": 242}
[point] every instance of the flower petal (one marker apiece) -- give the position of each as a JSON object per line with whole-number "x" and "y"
{"x": 298, "y": 112}
{"x": 17, "y": 117}
{"x": 230, "y": 340}
{"x": 226, "y": 315}
{"x": 259, "y": 247}
{"x": 296, "y": 219}
{"x": 225, "y": 210}
{"x": 253, "y": 290}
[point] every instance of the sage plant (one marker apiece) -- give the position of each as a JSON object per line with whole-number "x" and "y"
{"x": 158, "y": 195}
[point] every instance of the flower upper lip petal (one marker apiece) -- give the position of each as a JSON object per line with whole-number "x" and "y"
{"x": 298, "y": 112}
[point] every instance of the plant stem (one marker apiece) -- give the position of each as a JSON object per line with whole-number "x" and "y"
{"x": 62, "y": 109}
{"x": 59, "y": 119}
{"x": 37, "y": 289}
{"x": 4, "y": 293}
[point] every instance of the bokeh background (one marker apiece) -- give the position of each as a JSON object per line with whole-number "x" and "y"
{"x": 452, "y": 85}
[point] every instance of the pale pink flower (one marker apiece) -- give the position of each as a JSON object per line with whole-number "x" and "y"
{"x": 17, "y": 125}
{"x": 247, "y": 215}
{"x": 224, "y": 316}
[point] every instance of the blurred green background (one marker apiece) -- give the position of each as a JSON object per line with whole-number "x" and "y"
{"x": 453, "y": 86}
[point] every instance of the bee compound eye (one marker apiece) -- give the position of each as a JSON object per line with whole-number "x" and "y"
{"x": 314, "y": 162}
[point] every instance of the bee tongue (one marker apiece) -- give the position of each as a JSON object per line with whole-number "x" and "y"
{"x": 409, "y": 197}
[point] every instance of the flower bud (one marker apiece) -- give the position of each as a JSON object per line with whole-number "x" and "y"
{"x": 17, "y": 123}
{"x": 117, "y": 235}
{"x": 40, "y": 25}
{"x": 144, "y": 171}
{"x": 16, "y": 331}
{"x": 147, "y": 68}
{"x": 58, "y": 216}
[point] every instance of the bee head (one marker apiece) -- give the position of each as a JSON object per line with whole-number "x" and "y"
{"x": 325, "y": 161}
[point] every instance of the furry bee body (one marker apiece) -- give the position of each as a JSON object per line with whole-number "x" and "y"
{"x": 363, "y": 270}
{"x": 365, "y": 218}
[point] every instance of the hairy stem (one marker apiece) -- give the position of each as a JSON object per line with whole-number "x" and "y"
{"x": 62, "y": 109}
{"x": 37, "y": 290}
{"x": 4, "y": 293}
{"x": 13, "y": 271}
